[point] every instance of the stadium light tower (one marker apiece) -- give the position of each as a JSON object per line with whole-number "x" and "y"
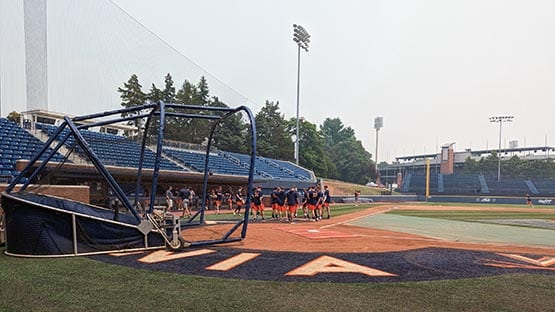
{"x": 302, "y": 38}
{"x": 378, "y": 124}
{"x": 500, "y": 120}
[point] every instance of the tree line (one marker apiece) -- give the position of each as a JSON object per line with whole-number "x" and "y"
{"x": 514, "y": 167}
{"x": 331, "y": 149}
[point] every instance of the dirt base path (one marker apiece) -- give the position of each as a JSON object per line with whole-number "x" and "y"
{"x": 275, "y": 236}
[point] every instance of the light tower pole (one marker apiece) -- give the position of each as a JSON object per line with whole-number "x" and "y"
{"x": 302, "y": 38}
{"x": 378, "y": 124}
{"x": 500, "y": 120}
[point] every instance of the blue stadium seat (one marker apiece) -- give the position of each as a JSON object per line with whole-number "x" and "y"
{"x": 17, "y": 143}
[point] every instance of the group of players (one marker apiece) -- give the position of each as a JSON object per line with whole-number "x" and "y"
{"x": 314, "y": 202}
{"x": 285, "y": 203}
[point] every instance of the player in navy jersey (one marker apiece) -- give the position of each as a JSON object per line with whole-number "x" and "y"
{"x": 257, "y": 204}
{"x": 239, "y": 201}
{"x": 219, "y": 199}
{"x": 228, "y": 196}
{"x": 313, "y": 203}
{"x": 304, "y": 203}
{"x": 281, "y": 203}
{"x": 292, "y": 202}
{"x": 320, "y": 196}
{"x": 274, "y": 203}
{"x": 327, "y": 201}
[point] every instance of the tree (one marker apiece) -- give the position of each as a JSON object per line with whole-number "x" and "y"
{"x": 335, "y": 132}
{"x": 232, "y": 132}
{"x": 192, "y": 130}
{"x": 273, "y": 139}
{"x": 131, "y": 96}
{"x": 171, "y": 129}
{"x": 168, "y": 94}
{"x": 312, "y": 154}
{"x": 352, "y": 161}
{"x": 15, "y": 117}
{"x": 186, "y": 93}
{"x": 514, "y": 168}
{"x": 154, "y": 96}
{"x": 203, "y": 94}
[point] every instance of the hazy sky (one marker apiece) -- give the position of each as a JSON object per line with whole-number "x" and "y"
{"x": 435, "y": 70}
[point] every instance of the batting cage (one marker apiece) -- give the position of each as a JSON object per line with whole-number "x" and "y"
{"x": 53, "y": 208}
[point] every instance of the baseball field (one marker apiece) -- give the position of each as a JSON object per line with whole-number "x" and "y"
{"x": 368, "y": 257}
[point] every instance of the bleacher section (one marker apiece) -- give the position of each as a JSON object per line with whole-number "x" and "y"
{"x": 476, "y": 185}
{"x": 417, "y": 184}
{"x": 406, "y": 183}
{"x": 462, "y": 184}
{"x": 16, "y": 143}
{"x": 297, "y": 171}
{"x": 545, "y": 187}
{"x": 507, "y": 187}
{"x": 531, "y": 187}
{"x": 195, "y": 160}
{"x": 270, "y": 168}
{"x": 483, "y": 184}
{"x": 114, "y": 150}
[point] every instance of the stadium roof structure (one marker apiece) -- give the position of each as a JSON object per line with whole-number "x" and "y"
{"x": 480, "y": 153}
{"x": 59, "y": 118}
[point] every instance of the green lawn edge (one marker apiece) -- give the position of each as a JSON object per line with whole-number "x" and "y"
{"x": 83, "y": 284}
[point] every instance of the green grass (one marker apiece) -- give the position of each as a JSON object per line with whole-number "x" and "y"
{"x": 82, "y": 284}
{"x": 473, "y": 215}
{"x": 441, "y": 204}
{"x": 336, "y": 210}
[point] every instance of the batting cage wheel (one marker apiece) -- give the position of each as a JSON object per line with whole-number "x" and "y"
{"x": 177, "y": 244}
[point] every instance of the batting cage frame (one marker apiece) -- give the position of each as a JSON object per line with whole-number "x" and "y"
{"x": 40, "y": 225}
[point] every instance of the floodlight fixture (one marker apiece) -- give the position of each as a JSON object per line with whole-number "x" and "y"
{"x": 500, "y": 120}
{"x": 302, "y": 38}
{"x": 378, "y": 124}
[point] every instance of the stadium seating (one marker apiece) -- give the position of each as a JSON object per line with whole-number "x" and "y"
{"x": 270, "y": 168}
{"x": 16, "y": 143}
{"x": 462, "y": 184}
{"x": 406, "y": 183}
{"x": 544, "y": 187}
{"x": 195, "y": 160}
{"x": 417, "y": 184}
{"x": 115, "y": 150}
{"x": 120, "y": 151}
{"x": 507, "y": 187}
{"x": 297, "y": 171}
{"x": 476, "y": 185}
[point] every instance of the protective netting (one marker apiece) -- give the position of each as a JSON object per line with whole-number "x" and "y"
{"x": 90, "y": 49}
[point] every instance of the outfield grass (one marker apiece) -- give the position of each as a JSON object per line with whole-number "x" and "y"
{"x": 472, "y": 214}
{"x": 485, "y": 205}
{"x": 82, "y": 284}
{"x": 336, "y": 210}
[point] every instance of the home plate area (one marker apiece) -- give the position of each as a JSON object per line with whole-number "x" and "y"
{"x": 410, "y": 265}
{"x": 316, "y": 233}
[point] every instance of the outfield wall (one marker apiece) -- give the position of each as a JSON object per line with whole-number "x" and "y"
{"x": 537, "y": 201}
{"x": 374, "y": 198}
